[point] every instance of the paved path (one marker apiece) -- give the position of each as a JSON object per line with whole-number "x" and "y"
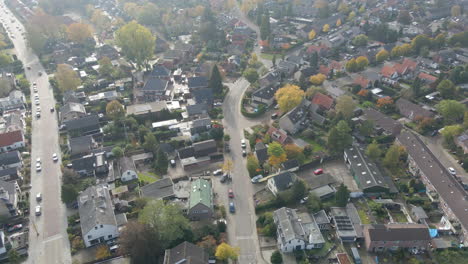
{"x": 50, "y": 243}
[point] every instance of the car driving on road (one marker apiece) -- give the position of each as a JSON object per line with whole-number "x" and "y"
{"x": 232, "y": 208}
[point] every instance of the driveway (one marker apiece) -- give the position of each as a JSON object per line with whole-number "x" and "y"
{"x": 48, "y": 241}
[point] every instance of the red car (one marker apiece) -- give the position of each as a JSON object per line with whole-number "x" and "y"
{"x": 318, "y": 171}
{"x": 230, "y": 193}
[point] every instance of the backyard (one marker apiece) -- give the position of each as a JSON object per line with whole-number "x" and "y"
{"x": 148, "y": 177}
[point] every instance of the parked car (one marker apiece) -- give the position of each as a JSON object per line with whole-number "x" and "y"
{"x": 274, "y": 116}
{"x": 38, "y": 167}
{"x": 38, "y": 210}
{"x": 230, "y": 193}
{"x": 39, "y": 197}
{"x": 244, "y": 153}
{"x": 232, "y": 208}
{"x": 452, "y": 171}
{"x": 173, "y": 163}
{"x": 257, "y": 178}
{"x": 15, "y": 228}
{"x": 318, "y": 171}
{"x": 243, "y": 145}
{"x": 217, "y": 172}
{"x": 54, "y": 157}
{"x": 225, "y": 178}
{"x": 227, "y": 148}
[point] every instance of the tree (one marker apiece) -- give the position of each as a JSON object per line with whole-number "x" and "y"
{"x": 373, "y": 151}
{"x": 439, "y": 41}
{"x": 105, "y": 67}
{"x": 151, "y": 144}
{"x": 465, "y": 120}
{"x": 137, "y": 43}
{"x": 115, "y": 110}
{"x": 100, "y": 21}
{"x": 251, "y": 75}
{"x": 216, "y": 81}
{"x": 117, "y": 152}
{"x": 404, "y": 17}
{"x": 313, "y": 62}
{"x": 79, "y": 32}
{"x": 360, "y": 40}
{"x": 386, "y": 104}
{"x": 451, "y": 110}
{"x": 446, "y": 89}
{"x": 342, "y": 196}
{"x": 449, "y": 133}
{"x": 5, "y": 59}
{"x": 382, "y": 55}
{"x": 289, "y": 97}
{"x": 67, "y": 78}
{"x": 351, "y": 65}
{"x": 273, "y": 60}
{"x": 225, "y": 251}
{"x": 276, "y": 154}
{"x": 362, "y": 62}
{"x": 167, "y": 219}
{"x": 161, "y": 163}
{"x": 420, "y": 41}
{"x": 265, "y": 26}
{"x": 351, "y": 16}
{"x": 456, "y": 10}
{"x": 345, "y": 105}
{"x": 140, "y": 242}
{"x": 102, "y": 252}
{"x": 276, "y": 258}
{"x": 293, "y": 151}
{"x": 392, "y": 157}
{"x": 312, "y": 34}
{"x": 313, "y": 90}
{"x": 317, "y": 79}
{"x": 314, "y": 204}
{"x": 69, "y": 193}
{"x": 253, "y": 165}
{"x": 339, "y": 137}
{"x": 13, "y": 256}
{"x": 366, "y": 128}
{"x": 338, "y": 22}
{"x": 326, "y": 28}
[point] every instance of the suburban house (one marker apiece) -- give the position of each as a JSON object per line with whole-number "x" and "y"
{"x": 261, "y": 152}
{"x": 161, "y": 189}
{"x": 204, "y": 148}
{"x": 10, "y": 174}
{"x": 12, "y": 121}
{"x": 414, "y": 237}
{"x": 197, "y": 82}
{"x": 462, "y": 142}
{"x": 128, "y": 171}
{"x": 427, "y": 78}
{"x": 81, "y": 145}
{"x": 84, "y": 166}
{"x": 12, "y": 140}
{"x": 11, "y": 159}
{"x": 345, "y": 228}
{"x": 324, "y": 192}
{"x": 186, "y": 252}
{"x": 363, "y": 82}
{"x": 87, "y": 125}
{"x": 382, "y": 121}
{"x": 295, "y": 119}
{"x": 296, "y": 231}
{"x": 418, "y": 214}
{"x": 365, "y": 172}
{"x": 160, "y": 72}
{"x": 154, "y": 89}
{"x": 279, "y": 135}
{"x": 439, "y": 182}
{"x": 147, "y": 109}
{"x": 97, "y": 218}
{"x": 201, "y": 125}
{"x": 265, "y": 95}
{"x": 324, "y": 102}
{"x": 281, "y": 182}
{"x": 200, "y": 206}
{"x": 411, "y": 110}
{"x": 291, "y": 165}
{"x": 71, "y": 110}
{"x": 322, "y": 220}
{"x": 9, "y": 196}
{"x": 14, "y": 101}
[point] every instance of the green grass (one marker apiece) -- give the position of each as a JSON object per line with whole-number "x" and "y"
{"x": 148, "y": 177}
{"x": 316, "y": 147}
{"x": 364, "y": 218}
{"x": 399, "y": 217}
{"x": 267, "y": 56}
{"x": 320, "y": 251}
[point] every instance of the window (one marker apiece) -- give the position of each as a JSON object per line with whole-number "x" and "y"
{"x": 102, "y": 226}
{"x": 90, "y": 236}
{"x": 109, "y": 236}
{"x": 95, "y": 227}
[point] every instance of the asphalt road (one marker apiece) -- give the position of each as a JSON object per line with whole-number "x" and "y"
{"x": 48, "y": 242}
{"x": 241, "y": 224}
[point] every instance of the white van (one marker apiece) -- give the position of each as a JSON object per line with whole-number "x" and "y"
{"x": 38, "y": 210}
{"x": 39, "y": 197}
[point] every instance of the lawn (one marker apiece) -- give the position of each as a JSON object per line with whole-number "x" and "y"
{"x": 316, "y": 147}
{"x": 267, "y": 56}
{"x": 399, "y": 217}
{"x": 320, "y": 252}
{"x": 364, "y": 217}
{"x": 148, "y": 177}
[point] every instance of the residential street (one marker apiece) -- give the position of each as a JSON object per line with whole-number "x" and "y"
{"x": 48, "y": 242}
{"x": 242, "y": 229}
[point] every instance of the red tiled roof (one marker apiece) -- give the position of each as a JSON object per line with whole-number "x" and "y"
{"x": 427, "y": 77}
{"x": 387, "y": 71}
{"x": 315, "y": 48}
{"x": 360, "y": 80}
{"x": 9, "y": 138}
{"x": 410, "y": 64}
{"x": 323, "y": 100}
{"x": 343, "y": 258}
{"x": 324, "y": 70}
{"x": 277, "y": 135}
{"x": 264, "y": 43}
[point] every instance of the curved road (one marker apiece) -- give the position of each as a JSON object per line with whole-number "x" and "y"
{"x": 48, "y": 240}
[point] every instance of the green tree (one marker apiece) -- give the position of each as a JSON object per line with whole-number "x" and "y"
{"x": 276, "y": 154}
{"x": 276, "y": 258}
{"x": 251, "y": 75}
{"x": 216, "y": 81}
{"x": 265, "y": 26}
{"x": 420, "y": 41}
{"x": 451, "y": 110}
{"x": 167, "y": 219}
{"x": 342, "y": 196}
{"x": 339, "y": 137}
{"x": 67, "y": 78}
{"x": 404, "y": 17}
{"x": 69, "y": 193}
{"x": 161, "y": 163}
{"x": 314, "y": 60}
{"x": 352, "y": 66}
{"x": 446, "y": 89}
{"x": 345, "y": 105}
{"x": 115, "y": 110}
{"x": 449, "y": 133}
{"x": 360, "y": 40}
{"x": 141, "y": 242}
{"x": 465, "y": 120}
{"x": 151, "y": 144}
{"x": 382, "y": 55}
{"x": 373, "y": 150}
{"x": 13, "y": 256}
{"x": 79, "y": 32}
{"x": 137, "y": 43}
{"x": 366, "y": 128}
{"x": 392, "y": 157}
{"x": 117, "y": 152}
{"x": 314, "y": 204}
{"x": 253, "y": 165}
{"x": 105, "y": 67}
{"x": 5, "y": 59}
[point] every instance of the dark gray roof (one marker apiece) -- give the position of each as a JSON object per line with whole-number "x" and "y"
{"x": 8, "y": 192}
{"x": 186, "y": 152}
{"x": 160, "y": 71}
{"x": 95, "y": 208}
{"x": 398, "y": 232}
{"x": 284, "y": 180}
{"x": 366, "y": 172}
{"x": 321, "y": 217}
{"x": 299, "y": 112}
{"x": 9, "y": 158}
{"x": 85, "y": 163}
{"x": 411, "y": 110}
{"x": 161, "y": 189}
{"x": 381, "y": 120}
{"x": 197, "y": 109}
{"x": 202, "y": 122}
{"x": 289, "y": 164}
{"x": 261, "y": 152}
{"x": 80, "y": 145}
{"x": 186, "y": 253}
{"x": 266, "y": 93}
{"x": 204, "y": 145}
{"x": 197, "y": 82}
{"x": 90, "y": 121}
{"x": 8, "y": 171}
{"x": 155, "y": 84}
{"x": 203, "y": 96}
{"x": 449, "y": 190}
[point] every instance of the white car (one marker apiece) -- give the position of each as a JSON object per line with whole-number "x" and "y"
{"x": 38, "y": 160}
{"x": 39, "y": 197}
{"x": 38, "y": 167}
{"x": 37, "y": 102}
{"x": 38, "y": 115}
{"x": 34, "y": 83}
{"x": 38, "y": 108}
{"x": 38, "y": 210}
{"x": 243, "y": 145}
{"x": 452, "y": 171}
{"x": 54, "y": 157}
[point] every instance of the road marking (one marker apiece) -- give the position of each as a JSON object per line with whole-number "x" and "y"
{"x": 245, "y": 237}
{"x": 52, "y": 238}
